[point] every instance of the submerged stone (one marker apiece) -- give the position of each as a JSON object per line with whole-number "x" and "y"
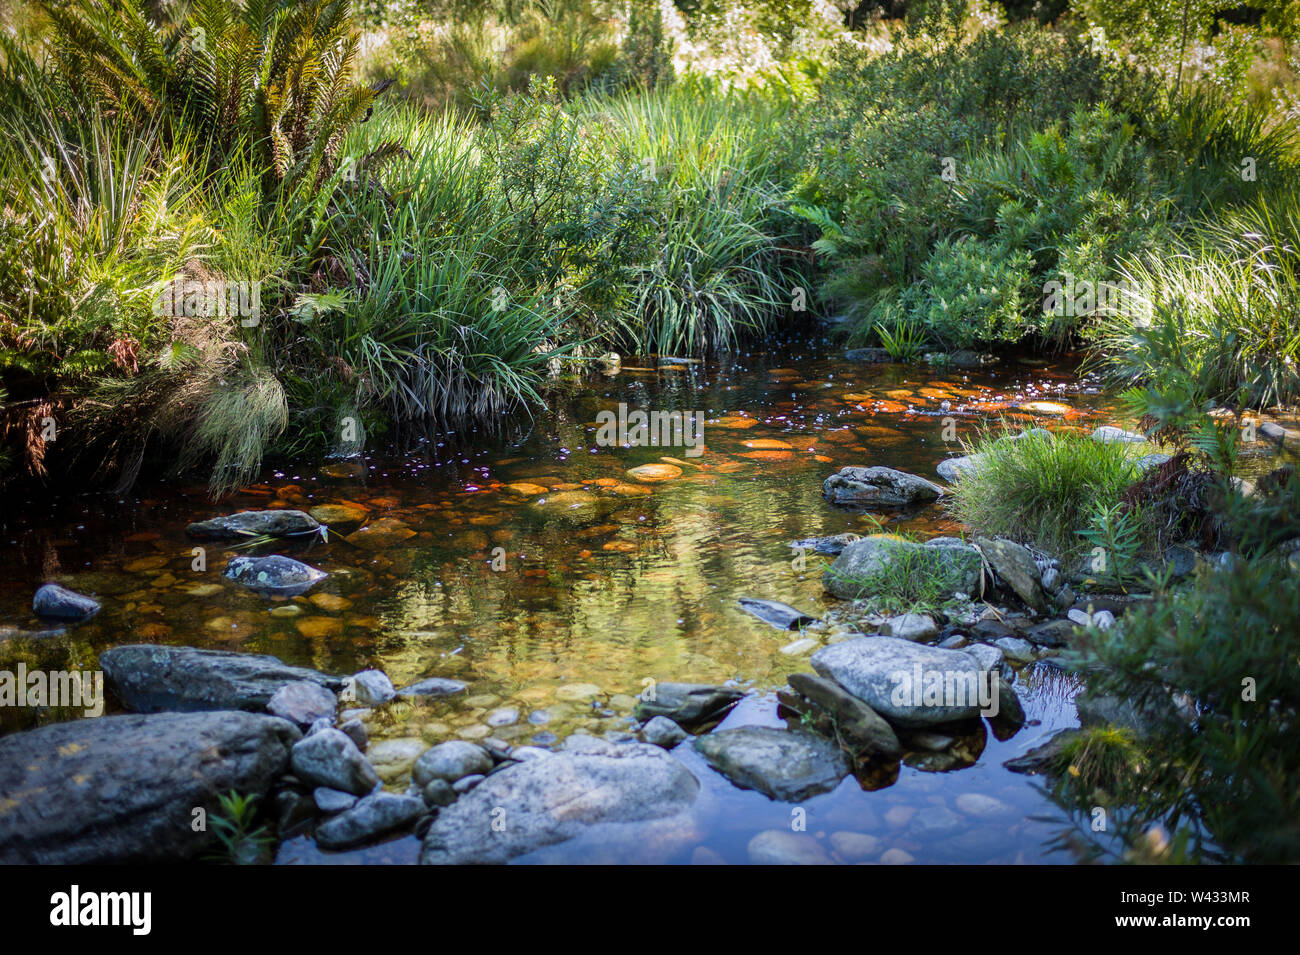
{"x": 779, "y": 615}
{"x": 275, "y": 523}
{"x": 275, "y": 574}
{"x": 53, "y": 602}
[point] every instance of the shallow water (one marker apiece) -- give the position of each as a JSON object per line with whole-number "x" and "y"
{"x": 601, "y": 582}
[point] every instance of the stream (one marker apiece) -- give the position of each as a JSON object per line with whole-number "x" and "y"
{"x": 531, "y": 566}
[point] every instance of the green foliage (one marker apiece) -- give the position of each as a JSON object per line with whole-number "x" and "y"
{"x": 1115, "y": 537}
{"x": 242, "y": 842}
{"x": 1041, "y": 488}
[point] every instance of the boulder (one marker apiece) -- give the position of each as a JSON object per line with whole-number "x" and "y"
{"x": 859, "y": 726}
{"x": 1017, "y": 569}
{"x": 878, "y": 486}
{"x": 786, "y": 765}
{"x": 255, "y": 524}
{"x": 148, "y": 678}
{"x": 451, "y": 761}
{"x": 276, "y": 574}
{"x": 633, "y": 796}
{"x": 686, "y": 704}
{"x": 956, "y": 565}
{"x": 909, "y": 684}
{"x": 370, "y": 818}
{"x": 53, "y": 602}
{"x": 123, "y": 789}
{"x": 951, "y": 469}
{"x": 302, "y": 702}
{"x": 1108, "y": 434}
{"x": 912, "y": 626}
{"x": 330, "y": 759}
{"x": 372, "y": 687}
{"x": 661, "y": 731}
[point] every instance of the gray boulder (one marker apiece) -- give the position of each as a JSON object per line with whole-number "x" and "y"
{"x": 123, "y": 789}
{"x": 452, "y": 760}
{"x": 1016, "y": 567}
{"x": 372, "y": 687}
{"x": 782, "y": 764}
{"x": 957, "y": 566}
{"x": 370, "y": 818}
{"x": 661, "y": 731}
{"x": 951, "y": 469}
{"x": 330, "y": 759}
{"x": 686, "y": 704}
{"x": 275, "y": 575}
{"x": 909, "y": 684}
{"x": 864, "y": 730}
{"x": 149, "y": 677}
{"x": 53, "y": 602}
{"x": 302, "y": 702}
{"x": 278, "y": 523}
{"x": 631, "y": 795}
{"x": 878, "y": 486}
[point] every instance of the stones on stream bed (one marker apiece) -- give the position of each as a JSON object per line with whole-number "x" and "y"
{"x": 661, "y": 731}
{"x": 370, "y": 818}
{"x": 785, "y": 765}
{"x": 451, "y": 761}
{"x": 779, "y": 615}
{"x": 303, "y": 703}
{"x": 274, "y": 575}
{"x": 147, "y": 678}
{"x": 329, "y": 758}
{"x": 52, "y": 602}
{"x": 1015, "y": 567}
{"x": 878, "y": 486}
{"x": 610, "y": 798}
{"x": 273, "y": 523}
{"x": 123, "y": 789}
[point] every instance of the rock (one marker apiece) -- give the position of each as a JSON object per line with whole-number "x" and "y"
{"x": 438, "y": 792}
{"x": 274, "y": 575}
{"x": 913, "y": 626}
{"x": 451, "y": 761}
{"x": 577, "y": 692}
{"x": 374, "y": 816}
{"x": 255, "y": 524}
{"x": 1051, "y": 580}
{"x": 148, "y": 678}
{"x": 954, "y": 641}
{"x": 372, "y": 687}
{"x": 602, "y": 793}
{"x": 330, "y": 759}
{"x": 302, "y": 702}
{"x": 799, "y": 647}
{"x": 873, "y": 355}
{"x": 330, "y": 801}
{"x": 782, "y": 616}
{"x": 1142, "y": 716}
{"x": 122, "y": 789}
{"x": 504, "y": 716}
{"x": 783, "y": 847}
{"x": 53, "y": 602}
{"x": 652, "y": 473}
{"x": 1149, "y": 461}
{"x": 988, "y": 657}
{"x": 982, "y": 806}
{"x": 896, "y": 857}
{"x": 434, "y": 686}
{"x": 855, "y": 846}
{"x": 355, "y": 730}
{"x": 781, "y": 764}
{"x": 857, "y": 724}
{"x": 1053, "y": 633}
{"x": 1108, "y": 434}
{"x": 1016, "y": 567}
{"x": 466, "y": 783}
{"x": 1040, "y": 758}
{"x": 957, "y": 566}
{"x": 661, "y": 731}
{"x": 380, "y": 535}
{"x": 524, "y": 753}
{"x": 909, "y": 684}
{"x": 686, "y": 704}
{"x": 393, "y": 758}
{"x": 951, "y": 469}
{"x": 829, "y": 546}
{"x": 1064, "y": 597}
{"x": 964, "y": 358}
{"x": 878, "y": 486}
{"x": 1015, "y": 649}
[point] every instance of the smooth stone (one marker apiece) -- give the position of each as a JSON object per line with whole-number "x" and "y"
{"x": 53, "y": 602}
{"x": 782, "y": 764}
{"x": 434, "y": 686}
{"x": 686, "y": 704}
{"x": 275, "y": 574}
{"x": 1052, "y": 633}
{"x": 524, "y": 753}
{"x": 451, "y": 761}
{"x": 356, "y": 731}
{"x": 874, "y": 668}
{"x": 375, "y": 815}
{"x": 1052, "y": 580}
{"x": 438, "y": 792}
{"x": 1015, "y": 649}
{"x": 122, "y": 790}
{"x": 632, "y": 798}
{"x": 897, "y": 857}
{"x": 276, "y": 523}
{"x": 466, "y": 783}
{"x": 330, "y": 759}
{"x": 302, "y": 702}
{"x": 878, "y": 486}
{"x": 148, "y": 678}
{"x": 988, "y": 657}
{"x": 372, "y": 687}
{"x": 951, "y": 469}
{"x": 1016, "y": 568}
{"x": 982, "y": 806}
{"x": 661, "y": 731}
{"x": 779, "y": 615}
{"x": 782, "y": 847}
{"x": 393, "y": 758}
{"x": 577, "y": 692}
{"x": 913, "y": 626}
{"x": 800, "y": 647}
{"x": 1108, "y": 434}
{"x": 855, "y": 846}
{"x": 957, "y": 566}
{"x": 505, "y": 716}
{"x": 332, "y": 800}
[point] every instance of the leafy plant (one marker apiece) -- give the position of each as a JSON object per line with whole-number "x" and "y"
{"x": 242, "y": 841}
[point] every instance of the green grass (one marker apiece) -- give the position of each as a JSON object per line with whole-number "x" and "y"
{"x": 1041, "y": 488}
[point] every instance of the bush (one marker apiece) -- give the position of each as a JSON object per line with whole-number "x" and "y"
{"x": 1042, "y": 488}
